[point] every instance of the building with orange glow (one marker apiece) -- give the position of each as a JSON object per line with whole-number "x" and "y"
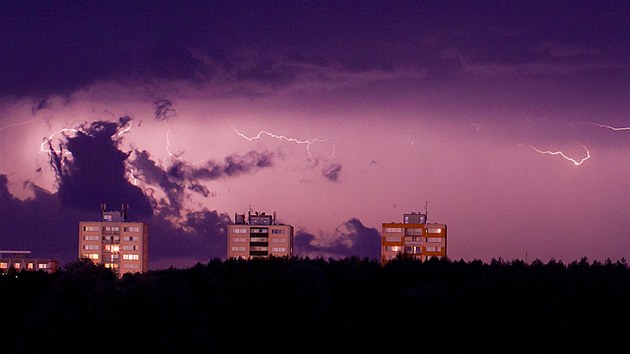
{"x": 259, "y": 236}
{"x": 115, "y": 242}
{"x": 19, "y": 260}
{"x": 413, "y": 238}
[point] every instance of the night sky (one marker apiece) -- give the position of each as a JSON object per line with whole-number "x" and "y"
{"x": 507, "y": 120}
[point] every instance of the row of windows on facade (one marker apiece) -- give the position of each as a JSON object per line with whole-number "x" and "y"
{"x": 413, "y": 249}
{"x": 257, "y": 231}
{"x": 258, "y": 239}
{"x": 112, "y": 228}
{"x": 111, "y": 248}
{"x": 112, "y": 257}
{"x": 415, "y": 239}
{"x": 29, "y": 265}
{"x": 110, "y": 238}
{"x": 125, "y": 265}
{"x": 412, "y": 230}
{"x": 258, "y": 248}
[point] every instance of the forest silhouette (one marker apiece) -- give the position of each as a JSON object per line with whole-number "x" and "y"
{"x": 315, "y": 305}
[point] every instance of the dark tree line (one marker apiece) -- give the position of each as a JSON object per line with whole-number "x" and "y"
{"x": 302, "y": 305}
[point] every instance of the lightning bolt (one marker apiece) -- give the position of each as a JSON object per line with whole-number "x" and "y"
{"x": 18, "y": 124}
{"x": 307, "y": 142}
{"x": 177, "y": 156}
{"x": 46, "y": 141}
{"x": 575, "y": 162}
{"x": 611, "y": 128}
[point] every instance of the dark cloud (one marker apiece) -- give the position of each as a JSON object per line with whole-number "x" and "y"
{"x": 163, "y": 109}
{"x": 352, "y": 238}
{"x": 181, "y": 176}
{"x": 42, "y": 104}
{"x": 90, "y": 169}
{"x": 40, "y": 224}
{"x": 332, "y": 172}
{"x": 202, "y": 236}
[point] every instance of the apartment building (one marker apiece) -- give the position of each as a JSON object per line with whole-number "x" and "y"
{"x": 414, "y": 238}
{"x": 115, "y": 242}
{"x": 258, "y": 236}
{"x": 19, "y": 260}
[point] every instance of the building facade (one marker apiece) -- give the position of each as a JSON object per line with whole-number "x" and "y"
{"x": 22, "y": 260}
{"x": 258, "y": 236}
{"x": 115, "y": 242}
{"x": 413, "y": 238}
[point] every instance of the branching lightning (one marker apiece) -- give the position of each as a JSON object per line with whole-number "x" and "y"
{"x": 575, "y": 162}
{"x": 306, "y": 142}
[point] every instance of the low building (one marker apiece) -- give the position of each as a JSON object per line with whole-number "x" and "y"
{"x": 259, "y": 236}
{"x": 19, "y": 260}
{"x": 414, "y": 238}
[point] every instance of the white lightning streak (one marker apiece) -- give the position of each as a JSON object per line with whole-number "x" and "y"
{"x": 42, "y": 147}
{"x": 168, "y": 148}
{"x": 611, "y": 128}
{"x": 575, "y": 162}
{"x": 18, "y": 124}
{"x": 308, "y": 142}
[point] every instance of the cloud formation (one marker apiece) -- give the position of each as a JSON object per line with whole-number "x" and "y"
{"x": 350, "y": 238}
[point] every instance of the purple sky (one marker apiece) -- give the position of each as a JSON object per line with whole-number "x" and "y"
{"x": 509, "y": 120}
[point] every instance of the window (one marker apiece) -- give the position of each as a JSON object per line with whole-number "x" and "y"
{"x": 16, "y": 265}
{"x": 413, "y": 231}
{"x": 277, "y": 231}
{"x": 434, "y": 231}
{"x": 42, "y": 266}
{"x": 430, "y": 249}
{"x": 91, "y": 255}
{"x": 279, "y": 249}
{"x": 258, "y": 248}
{"x": 392, "y": 239}
{"x": 434, "y": 239}
{"x": 259, "y": 231}
{"x": 393, "y": 229}
{"x": 131, "y": 266}
{"x": 131, "y": 229}
{"x": 29, "y": 266}
{"x": 258, "y": 239}
{"x": 107, "y": 217}
{"x": 116, "y": 228}
{"x": 239, "y": 239}
{"x": 90, "y": 247}
{"x": 239, "y": 231}
{"x": 131, "y": 257}
{"x": 90, "y": 228}
{"x": 90, "y": 238}
{"x": 130, "y": 248}
{"x": 238, "y": 248}
{"x": 393, "y": 248}
{"x": 131, "y": 238}
{"x": 4, "y": 265}
{"x": 278, "y": 240}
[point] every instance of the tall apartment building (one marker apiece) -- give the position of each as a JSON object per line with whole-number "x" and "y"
{"x": 259, "y": 236}
{"x": 414, "y": 238}
{"x": 19, "y": 260}
{"x": 115, "y": 242}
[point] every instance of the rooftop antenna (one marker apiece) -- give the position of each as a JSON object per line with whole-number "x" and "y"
{"x": 426, "y": 210}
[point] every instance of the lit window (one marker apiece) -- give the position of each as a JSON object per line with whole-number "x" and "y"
{"x": 42, "y": 266}
{"x": 16, "y": 265}
{"x": 393, "y": 248}
{"x": 434, "y": 231}
{"x": 4, "y": 265}
{"x": 131, "y": 257}
{"x": 238, "y": 248}
{"x": 279, "y": 249}
{"x": 239, "y": 231}
{"x": 393, "y": 229}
